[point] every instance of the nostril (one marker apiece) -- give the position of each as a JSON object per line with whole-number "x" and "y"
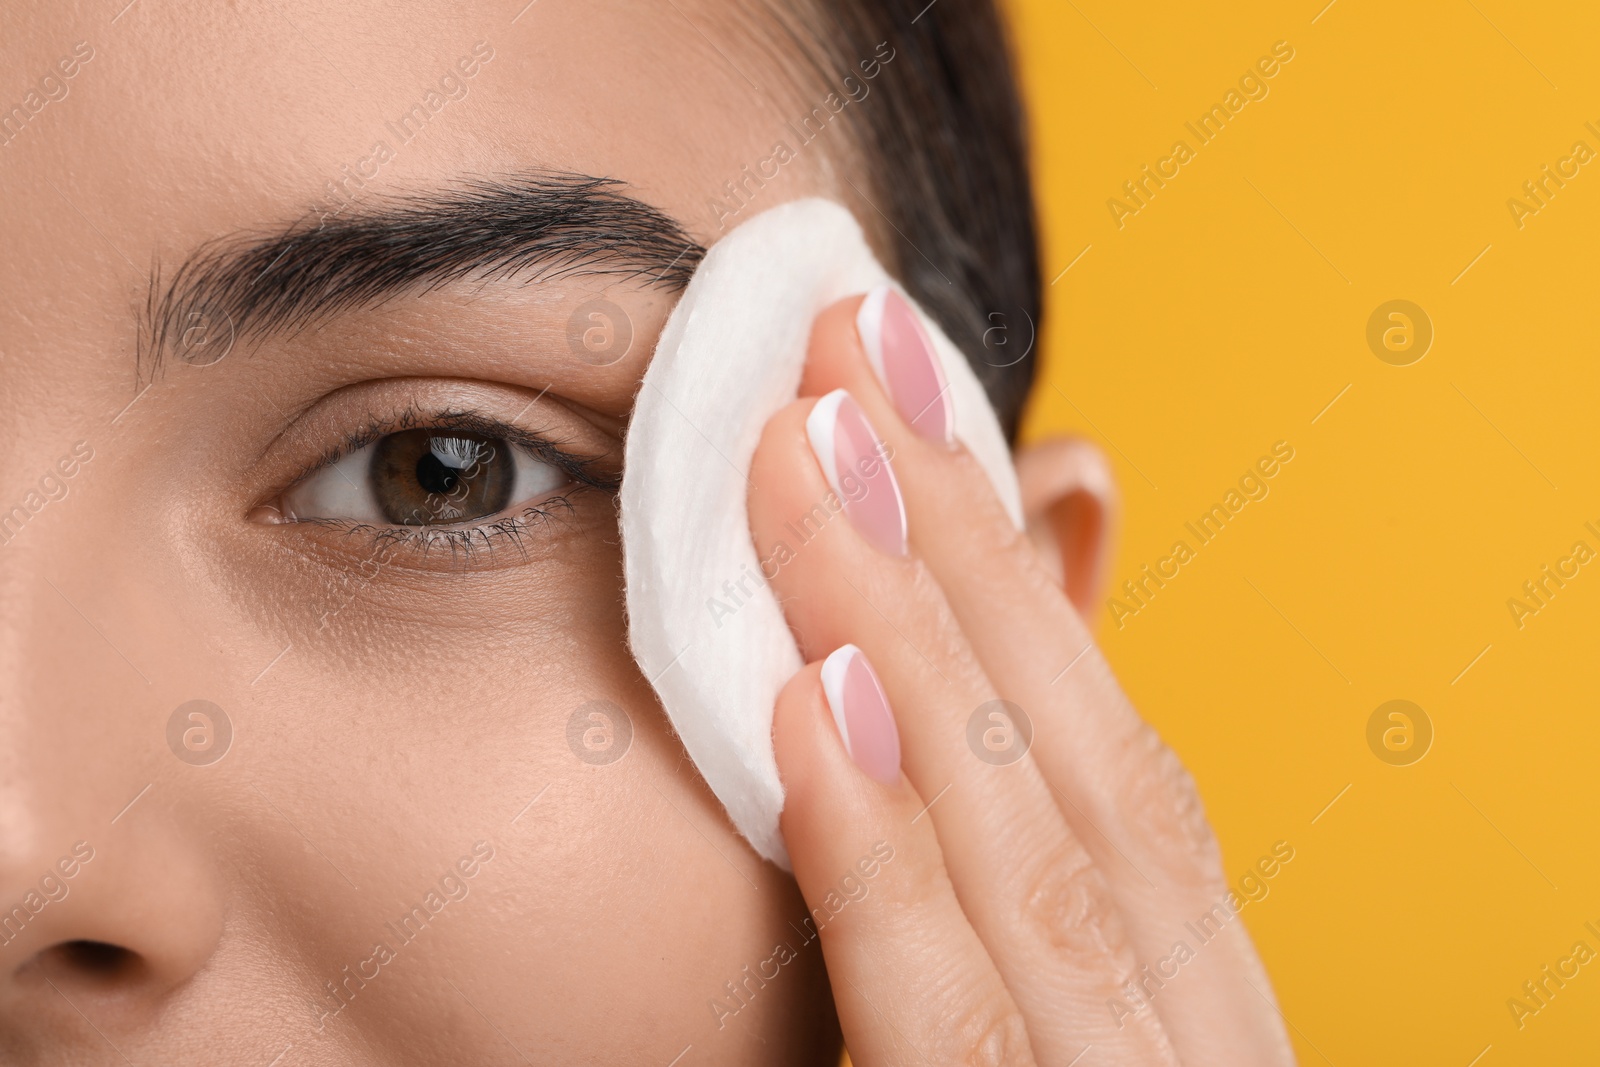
{"x": 92, "y": 960}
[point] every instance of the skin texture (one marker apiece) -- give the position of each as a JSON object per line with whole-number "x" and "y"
{"x": 400, "y": 713}
{"x": 415, "y": 712}
{"x": 1016, "y": 901}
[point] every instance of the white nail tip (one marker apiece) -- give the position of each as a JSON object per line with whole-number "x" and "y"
{"x": 834, "y": 669}
{"x": 821, "y": 428}
{"x": 869, "y": 326}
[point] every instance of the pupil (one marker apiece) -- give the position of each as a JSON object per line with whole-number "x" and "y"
{"x": 435, "y": 478}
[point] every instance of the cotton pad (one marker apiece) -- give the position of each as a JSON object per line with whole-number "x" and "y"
{"x": 705, "y": 628}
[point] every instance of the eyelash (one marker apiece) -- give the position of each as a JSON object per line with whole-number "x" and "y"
{"x": 511, "y": 529}
{"x": 462, "y": 541}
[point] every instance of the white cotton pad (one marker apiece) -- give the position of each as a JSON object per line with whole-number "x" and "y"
{"x": 706, "y": 630}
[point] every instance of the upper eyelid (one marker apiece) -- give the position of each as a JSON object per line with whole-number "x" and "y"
{"x": 540, "y": 446}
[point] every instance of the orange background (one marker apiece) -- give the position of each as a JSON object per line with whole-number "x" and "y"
{"x": 1227, "y": 314}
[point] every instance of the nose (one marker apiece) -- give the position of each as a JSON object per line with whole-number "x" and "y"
{"x": 109, "y": 896}
{"x": 103, "y": 921}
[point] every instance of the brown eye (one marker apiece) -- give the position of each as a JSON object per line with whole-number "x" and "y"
{"x": 426, "y": 477}
{"x": 431, "y": 477}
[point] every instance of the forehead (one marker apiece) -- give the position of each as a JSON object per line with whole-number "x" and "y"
{"x": 137, "y": 136}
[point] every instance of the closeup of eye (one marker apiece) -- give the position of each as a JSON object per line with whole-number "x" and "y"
{"x": 424, "y": 477}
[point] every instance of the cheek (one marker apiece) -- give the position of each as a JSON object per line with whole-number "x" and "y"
{"x": 623, "y": 886}
{"x": 616, "y": 882}
{"x": 613, "y": 887}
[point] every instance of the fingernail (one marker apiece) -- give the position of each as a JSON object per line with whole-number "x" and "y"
{"x": 861, "y": 712}
{"x": 857, "y": 467}
{"x": 901, "y": 352}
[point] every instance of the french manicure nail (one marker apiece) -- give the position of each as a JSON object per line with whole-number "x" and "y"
{"x": 861, "y": 712}
{"x": 854, "y": 461}
{"x": 901, "y": 352}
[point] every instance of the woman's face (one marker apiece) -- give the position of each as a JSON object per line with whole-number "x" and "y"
{"x": 429, "y": 812}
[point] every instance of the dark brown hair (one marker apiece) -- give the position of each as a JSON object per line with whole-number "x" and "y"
{"x": 943, "y": 141}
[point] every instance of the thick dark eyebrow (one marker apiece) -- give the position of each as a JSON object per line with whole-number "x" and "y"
{"x": 534, "y": 227}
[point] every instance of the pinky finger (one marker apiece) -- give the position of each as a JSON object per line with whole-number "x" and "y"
{"x": 911, "y": 980}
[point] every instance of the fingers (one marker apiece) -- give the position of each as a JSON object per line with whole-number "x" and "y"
{"x": 1089, "y": 740}
{"x": 911, "y": 979}
{"x": 1124, "y": 793}
{"x": 1026, "y": 633}
{"x": 1023, "y": 879}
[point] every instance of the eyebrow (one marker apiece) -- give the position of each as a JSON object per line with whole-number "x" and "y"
{"x": 536, "y": 227}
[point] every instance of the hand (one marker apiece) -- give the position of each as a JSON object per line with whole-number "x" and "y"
{"x": 979, "y": 899}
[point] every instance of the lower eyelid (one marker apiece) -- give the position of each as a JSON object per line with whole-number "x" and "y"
{"x": 544, "y": 532}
